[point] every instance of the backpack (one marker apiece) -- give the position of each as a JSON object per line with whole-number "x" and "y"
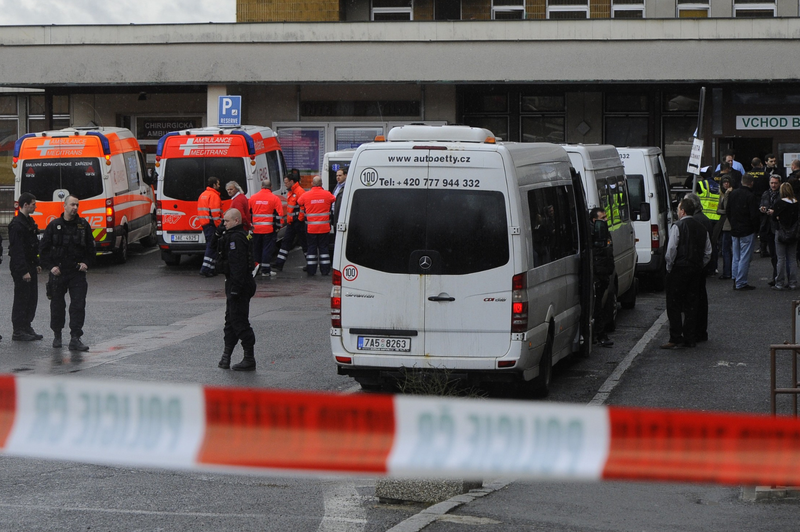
{"x": 789, "y": 235}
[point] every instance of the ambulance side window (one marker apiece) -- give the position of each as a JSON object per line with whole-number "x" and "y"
{"x": 274, "y": 169}
{"x": 132, "y": 169}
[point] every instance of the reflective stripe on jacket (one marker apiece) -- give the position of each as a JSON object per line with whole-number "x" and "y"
{"x": 708, "y": 200}
{"x": 209, "y": 207}
{"x": 264, "y": 205}
{"x": 316, "y": 204}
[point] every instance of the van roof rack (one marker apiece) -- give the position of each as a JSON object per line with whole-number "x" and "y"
{"x": 417, "y": 133}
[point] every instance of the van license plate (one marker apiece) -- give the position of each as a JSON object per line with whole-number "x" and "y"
{"x": 185, "y": 238}
{"x": 378, "y": 343}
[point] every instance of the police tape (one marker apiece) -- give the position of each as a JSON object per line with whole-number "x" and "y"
{"x": 186, "y": 426}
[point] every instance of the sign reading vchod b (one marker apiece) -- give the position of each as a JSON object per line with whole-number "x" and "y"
{"x": 768, "y": 122}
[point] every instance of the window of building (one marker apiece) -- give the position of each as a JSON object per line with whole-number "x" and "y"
{"x": 627, "y": 119}
{"x": 383, "y": 10}
{"x": 567, "y": 9}
{"x": 36, "y": 113}
{"x": 9, "y": 131}
{"x": 489, "y": 111}
{"x": 754, "y": 8}
{"x": 508, "y": 9}
{"x": 693, "y": 8}
{"x": 447, "y": 10}
{"x": 627, "y": 8}
{"x": 543, "y": 118}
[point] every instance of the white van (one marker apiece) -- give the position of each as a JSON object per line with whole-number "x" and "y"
{"x": 456, "y": 252}
{"x": 648, "y": 190}
{"x": 332, "y": 162}
{"x": 604, "y": 181}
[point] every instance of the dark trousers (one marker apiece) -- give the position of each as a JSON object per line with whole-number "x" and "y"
{"x": 263, "y": 248}
{"x": 210, "y": 257}
{"x": 602, "y": 310}
{"x": 237, "y": 322}
{"x": 773, "y": 253}
{"x": 293, "y": 231}
{"x": 318, "y": 253}
{"x": 683, "y": 298}
{"x": 26, "y": 298}
{"x": 701, "y": 332}
{"x": 74, "y": 284}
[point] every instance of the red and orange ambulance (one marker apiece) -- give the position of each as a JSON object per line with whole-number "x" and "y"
{"x": 186, "y": 159}
{"x": 104, "y": 168}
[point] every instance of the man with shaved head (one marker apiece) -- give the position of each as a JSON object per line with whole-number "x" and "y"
{"x": 235, "y": 257}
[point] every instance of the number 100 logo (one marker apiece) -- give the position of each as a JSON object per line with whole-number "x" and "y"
{"x": 369, "y": 176}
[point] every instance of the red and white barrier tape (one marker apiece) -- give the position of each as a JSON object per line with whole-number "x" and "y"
{"x": 188, "y": 426}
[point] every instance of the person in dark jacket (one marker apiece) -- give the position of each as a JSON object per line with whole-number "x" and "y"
{"x": 67, "y": 250}
{"x": 688, "y": 251}
{"x": 603, "y": 259}
{"x": 785, "y": 214}
{"x": 766, "y": 234}
{"x": 743, "y": 212}
{"x": 235, "y": 255}
{"x": 701, "y": 329}
{"x": 23, "y": 250}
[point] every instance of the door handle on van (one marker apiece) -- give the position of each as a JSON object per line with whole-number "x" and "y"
{"x": 441, "y": 297}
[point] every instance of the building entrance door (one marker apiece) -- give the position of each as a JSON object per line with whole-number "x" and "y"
{"x": 746, "y": 149}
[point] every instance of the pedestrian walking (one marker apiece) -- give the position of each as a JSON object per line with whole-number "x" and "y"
{"x": 67, "y": 250}
{"x": 316, "y": 206}
{"x": 766, "y": 233}
{"x": 785, "y": 215}
{"x": 209, "y": 211}
{"x": 603, "y": 271}
{"x": 23, "y": 251}
{"x": 295, "y": 226}
{"x": 235, "y": 258}
{"x": 688, "y": 251}
{"x": 267, "y": 214}
{"x": 743, "y": 212}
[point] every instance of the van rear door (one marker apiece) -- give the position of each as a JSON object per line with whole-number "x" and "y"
{"x": 428, "y": 254}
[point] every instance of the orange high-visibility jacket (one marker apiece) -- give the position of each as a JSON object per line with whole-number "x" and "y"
{"x": 316, "y": 203}
{"x": 209, "y": 207}
{"x": 292, "y": 197}
{"x": 264, "y": 204}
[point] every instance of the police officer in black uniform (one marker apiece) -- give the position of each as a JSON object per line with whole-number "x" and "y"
{"x": 603, "y": 263}
{"x": 67, "y": 249}
{"x": 23, "y": 248}
{"x": 235, "y": 257}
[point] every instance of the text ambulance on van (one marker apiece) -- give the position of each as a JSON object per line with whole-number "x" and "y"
{"x": 184, "y": 162}
{"x": 103, "y": 168}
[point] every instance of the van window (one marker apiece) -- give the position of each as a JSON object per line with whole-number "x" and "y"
{"x": 81, "y": 177}
{"x": 468, "y": 229}
{"x": 132, "y": 169}
{"x": 274, "y": 169}
{"x": 185, "y": 178}
{"x": 554, "y": 224}
{"x": 636, "y": 191}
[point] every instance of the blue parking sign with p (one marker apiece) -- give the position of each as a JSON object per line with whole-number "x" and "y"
{"x": 230, "y": 110}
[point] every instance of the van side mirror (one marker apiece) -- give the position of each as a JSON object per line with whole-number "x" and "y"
{"x": 644, "y": 213}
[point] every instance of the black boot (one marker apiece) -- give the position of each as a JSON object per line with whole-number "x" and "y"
{"x": 57, "y": 339}
{"x": 248, "y": 363}
{"x": 225, "y": 361}
{"x": 75, "y": 344}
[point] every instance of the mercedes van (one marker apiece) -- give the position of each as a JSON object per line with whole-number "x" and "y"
{"x": 460, "y": 253}
{"x": 646, "y": 175}
{"x": 603, "y": 178}
{"x": 104, "y": 168}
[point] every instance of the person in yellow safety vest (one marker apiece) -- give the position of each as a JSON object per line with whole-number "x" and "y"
{"x": 709, "y": 199}
{"x": 209, "y": 212}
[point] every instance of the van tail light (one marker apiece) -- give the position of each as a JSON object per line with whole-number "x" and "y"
{"x": 519, "y": 303}
{"x": 108, "y": 160}
{"x": 14, "y": 162}
{"x": 336, "y": 300}
{"x": 158, "y": 215}
{"x": 655, "y": 241}
{"x": 16, "y": 208}
{"x": 110, "y": 211}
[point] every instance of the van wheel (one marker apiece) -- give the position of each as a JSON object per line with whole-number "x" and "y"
{"x": 628, "y": 299}
{"x": 121, "y": 254}
{"x": 170, "y": 259}
{"x": 151, "y": 239}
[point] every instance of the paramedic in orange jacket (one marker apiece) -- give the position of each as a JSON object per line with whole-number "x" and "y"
{"x": 267, "y": 214}
{"x": 209, "y": 211}
{"x": 316, "y": 204}
{"x": 295, "y": 227}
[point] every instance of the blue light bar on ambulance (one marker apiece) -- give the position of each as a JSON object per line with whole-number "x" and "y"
{"x": 162, "y": 141}
{"x": 18, "y": 143}
{"x": 251, "y": 145}
{"x": 103, "y": 141}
